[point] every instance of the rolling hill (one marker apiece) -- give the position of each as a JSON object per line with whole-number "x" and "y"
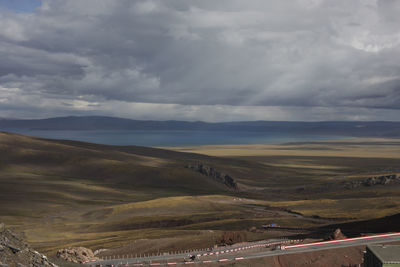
{"x": 66, "y": 193}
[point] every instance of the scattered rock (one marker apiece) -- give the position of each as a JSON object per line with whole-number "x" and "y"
{"x": 372, "y": 181}
{"x": 14, "y": 249}
{"x": 99, "y": 251}
{"x": 76, "y": 254}
{"x": 231, "y": 237}
{"x": 14, "y": 252}
{"x": 216, "y": 175}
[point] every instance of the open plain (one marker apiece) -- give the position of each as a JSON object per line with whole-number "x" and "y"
{"x": 137, "y": 200}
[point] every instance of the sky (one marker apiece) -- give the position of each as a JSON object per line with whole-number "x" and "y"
{"x": 20, "y": 6}
{"x": 225, "y": 60}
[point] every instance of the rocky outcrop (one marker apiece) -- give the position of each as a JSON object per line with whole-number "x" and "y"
{"x": 338, "y": 235}
{"x": 216, "y": 175}
{"x": 15, "y": 252}
{"x": 382, "y": 180}
{"x": 76, "y": 254}
{"x": 96, "y": 252}
{"x": 231, "y": 237}
{"x": 371, "y": 181}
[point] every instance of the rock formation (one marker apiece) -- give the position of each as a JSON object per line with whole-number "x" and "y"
{"x": 338, "y": 234}
{"x": 216, "y": 175}
{"x": 14, "y": 252}
{"x": 229, "y": 238}
{"x": 371, "y": 181}
{"x": 76, "y": 254}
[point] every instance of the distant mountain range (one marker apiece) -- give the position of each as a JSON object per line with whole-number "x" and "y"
{"x": 341, "y": 128}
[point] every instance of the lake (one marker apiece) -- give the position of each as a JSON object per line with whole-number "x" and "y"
{"x": 175, "y": 138}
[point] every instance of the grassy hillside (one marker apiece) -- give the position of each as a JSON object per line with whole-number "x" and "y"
{"x": 137, "y": 199}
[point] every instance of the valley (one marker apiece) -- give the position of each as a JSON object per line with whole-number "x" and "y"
{"x": 131, "y": 199}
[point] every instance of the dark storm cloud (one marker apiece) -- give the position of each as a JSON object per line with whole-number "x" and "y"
{"x": 101, "y": 53}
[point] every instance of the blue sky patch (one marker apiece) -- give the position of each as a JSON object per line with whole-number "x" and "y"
{"x": 23, "y": 6}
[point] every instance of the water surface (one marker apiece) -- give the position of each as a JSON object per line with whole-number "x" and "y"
{"x": 161, "y": 138}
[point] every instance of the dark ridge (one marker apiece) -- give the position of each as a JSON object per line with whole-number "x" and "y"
{"x": 214, "y": 174}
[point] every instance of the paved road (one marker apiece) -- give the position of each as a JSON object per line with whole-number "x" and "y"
{"x": 178, "y": 258}
{"x": 218, "y": 252}
{"x": 324, "y": 247}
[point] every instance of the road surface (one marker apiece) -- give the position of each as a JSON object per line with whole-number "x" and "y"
{"x": 178, "y": 259}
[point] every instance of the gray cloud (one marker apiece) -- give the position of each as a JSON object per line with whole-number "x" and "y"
{"x": 229, "y": 57}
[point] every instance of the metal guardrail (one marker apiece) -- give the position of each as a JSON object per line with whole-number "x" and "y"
{"x": 221, "y": 252}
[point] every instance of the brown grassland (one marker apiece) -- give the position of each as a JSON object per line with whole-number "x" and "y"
{"x": 141, "y": 200}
